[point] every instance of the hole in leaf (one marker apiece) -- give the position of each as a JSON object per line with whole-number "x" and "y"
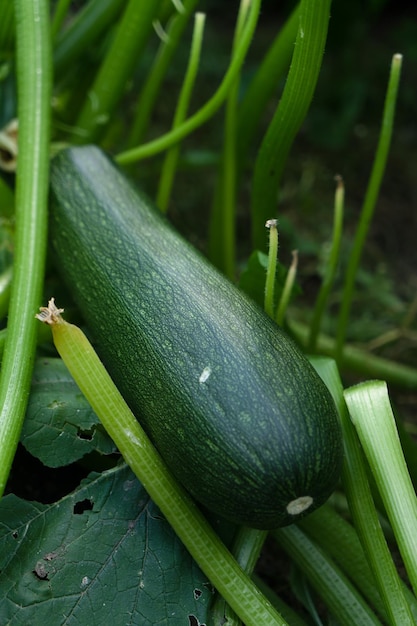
{"x": 15, "y": 534}
{"x": 193, "y": 621}
{"x": 82, "y": 506}
{"x": 197, "y": 593}
{"x": 86, "y": 434}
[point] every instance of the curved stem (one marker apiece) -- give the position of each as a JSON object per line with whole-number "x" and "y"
{"x": 246, "y": 549}
{"x": 362, "y": 508}
{"x": 34, "y": 88}
{"x": 370, "y": 200}
{"x": 171, "y": 158}
{"x": 222, "y": 237}
{"x": 209, "y": 109}
{"x": 290, "y": 113}
{"x": 358, "y": 360}
{"x": 158, "y": 70}
{"x": 264, "y": 84}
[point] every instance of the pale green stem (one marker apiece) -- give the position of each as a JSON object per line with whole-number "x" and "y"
{"x": 226, "y": 208}
{"x": 362, "y": 508}
{"x": 209, "y": 109}
{"x": 340, "y": 596}
{"x": 157, "y": 72}
{"x": 171, "y": 157}
{"x": 339, "y": 539}
{"x": 34, "y": 78}
{"x": 287, "y": 290}
{"x": 371, "y": 413}
{"x": 272, "y": 266}
{"x": 371, "y": 197}
{"x": 265, "y": 84}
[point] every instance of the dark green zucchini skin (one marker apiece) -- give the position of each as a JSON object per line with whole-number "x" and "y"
{"x": 235, "y": 409}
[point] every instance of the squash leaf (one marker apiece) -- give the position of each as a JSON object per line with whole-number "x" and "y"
{"x": 102, "y": 555}
{"x": 60, "y": 426}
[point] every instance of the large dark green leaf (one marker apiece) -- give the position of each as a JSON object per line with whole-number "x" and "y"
{"x": 60, "y": 426}
{"x": 102, "y": 555}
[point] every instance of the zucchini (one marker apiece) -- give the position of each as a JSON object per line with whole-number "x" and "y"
{"x": 235, "y": 409}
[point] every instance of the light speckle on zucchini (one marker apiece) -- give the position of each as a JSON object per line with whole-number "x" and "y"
{"x": 205, "y": 375}
{"x": 299, "y": 505}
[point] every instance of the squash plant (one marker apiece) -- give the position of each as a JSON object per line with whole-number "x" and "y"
{"x": 148, "y": 535}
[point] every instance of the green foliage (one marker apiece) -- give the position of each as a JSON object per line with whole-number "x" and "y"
{"x": 101, "y": 555}
{"x": 104, "y": 553}
{"x": 60, "y": 426}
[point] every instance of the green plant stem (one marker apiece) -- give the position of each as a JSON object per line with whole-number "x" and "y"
{"x": 272, "y": 266}
{"x": 129, "y": 41}
{"x": 341, "y": 598}
{"x": 289, "y": 613}
{"x": 246, "y": 548}
{"x": 177, "y": 506}
{"x": 371, "y": 413}
{"x": 60, "y": 13}
{"x": 371, "y": 197}
{"x": 222, "y": 229}
{"x": 339, "y": 539}
{"x": 171, "y": 157}
{"x": 34, "y": 88}
{"x": 86, "y": 27}
{"x": 209, "y": 109}
{"x": 357, "y": 360}
{"x": 264, "y": 84}
{"x": 331, "y": 266}
{"x": 290, "y": 113}
{"x": 287, "y": 290}
{"x": 157, "y": 72}
{"x": 362, "y": 508}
